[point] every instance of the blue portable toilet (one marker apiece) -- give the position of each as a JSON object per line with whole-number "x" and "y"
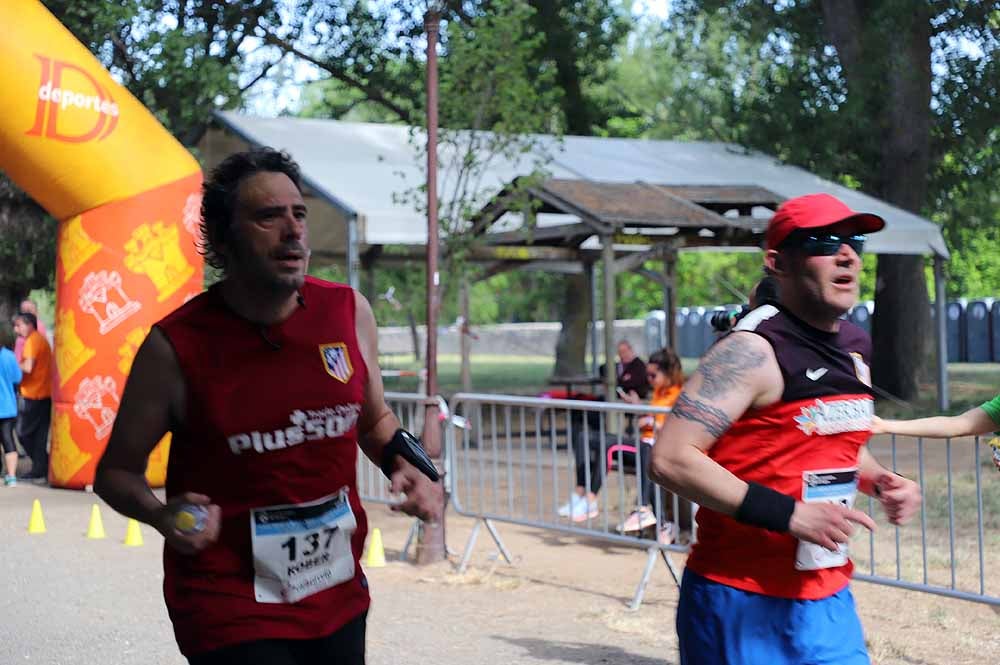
{"x": 955, "y": 327}
{"x": 861, "y": 315}
{"x": 696, "y": 336}
{"x": 655, "y": 331}
{"x": 977, "y": 331}
{"x": 683, "y": 334}
{"x": 995, "y": 331}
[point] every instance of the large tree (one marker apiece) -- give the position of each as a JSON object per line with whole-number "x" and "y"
{"x": 889, "y": 96}
{"x": 373, "y": 56}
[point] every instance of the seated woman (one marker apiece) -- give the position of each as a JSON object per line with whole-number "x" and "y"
{"x": 664, "y": 373}
{"x": 667, "y": 379}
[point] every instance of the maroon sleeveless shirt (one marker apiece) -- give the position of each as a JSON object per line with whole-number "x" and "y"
{"x": 271, "y": 421}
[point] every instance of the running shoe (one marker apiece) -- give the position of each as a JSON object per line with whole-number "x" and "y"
{"x": 637, "y": 521}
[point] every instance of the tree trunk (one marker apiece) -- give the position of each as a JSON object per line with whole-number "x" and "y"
{"x": 901, "y": 330}
{"x": 902, "y": 336}
{"x": 464, "y": 332}
{"x": 414, "y": 335}
{"x": 571, "y": 349}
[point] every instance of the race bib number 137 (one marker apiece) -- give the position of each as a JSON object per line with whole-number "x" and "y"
{"x": 301, "y": 549}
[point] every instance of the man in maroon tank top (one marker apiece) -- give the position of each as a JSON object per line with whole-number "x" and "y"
{"x": 769, "y": 438}
{"x": 268, "y": 383}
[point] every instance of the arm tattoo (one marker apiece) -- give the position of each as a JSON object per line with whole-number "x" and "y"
{"x": 714, "y": 420}
{"x": 725, "y": 366}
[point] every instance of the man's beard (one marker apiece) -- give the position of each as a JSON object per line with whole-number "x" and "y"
{"x": 259, "y": 273}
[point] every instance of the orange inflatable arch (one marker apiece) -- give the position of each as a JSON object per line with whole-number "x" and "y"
{"x": 127, "y": 197}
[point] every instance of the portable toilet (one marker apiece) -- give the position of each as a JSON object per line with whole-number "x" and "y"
{"x": 955, "y": 327}
{"x": 655, "y": 331}
{"x": 861, "y": 315}
{"x": 995, "y": 331}
{"x": 683, "y": 335}
{"x": 696, "y": 336}
{"x": 977, "y": 331}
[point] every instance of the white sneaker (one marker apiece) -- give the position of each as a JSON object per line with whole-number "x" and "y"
{"x": 587, "y": 511}
{"x": 575, "y": 506}
{"x": 667, "y": 536}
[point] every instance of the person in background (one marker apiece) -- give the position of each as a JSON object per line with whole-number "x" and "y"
{"x": 36, "y": 392}
{"x": 10, "y": 376}
{"x": 666, "y": 378}
{"x": 28, "y": 306}
{"x": 630, "y": 370}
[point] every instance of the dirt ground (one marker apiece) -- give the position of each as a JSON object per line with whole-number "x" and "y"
{"x": 565, "y": 601}
{"x": 68, "y": 600}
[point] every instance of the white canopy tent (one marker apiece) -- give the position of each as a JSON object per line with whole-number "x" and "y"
{"x": 356, "y": 172}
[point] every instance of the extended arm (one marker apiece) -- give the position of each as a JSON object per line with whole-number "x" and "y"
{"x": 975, "y": 421}
{"x": 732, "y": 376}
{"x": 378, "y": 424}
{"x": 152, "y": 400}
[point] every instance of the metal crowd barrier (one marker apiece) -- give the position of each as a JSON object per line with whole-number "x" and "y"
{"x": 373, "y": 486}
{"x": 954, "y": 540}
{"x": 513, "y": 463}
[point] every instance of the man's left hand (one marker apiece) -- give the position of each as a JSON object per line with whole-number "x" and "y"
{"x": 423, "y": 498}
{"x": 899, "y": 496}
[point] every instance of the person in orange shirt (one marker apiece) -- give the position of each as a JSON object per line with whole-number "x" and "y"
{"x": 36, "y": 389}
{"x": 666, "y": 378}
{"x": 27, "y": 306}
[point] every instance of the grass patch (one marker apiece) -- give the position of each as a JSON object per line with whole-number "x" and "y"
{"x": 499, "y": 374}
{"x": 970, "y": 384}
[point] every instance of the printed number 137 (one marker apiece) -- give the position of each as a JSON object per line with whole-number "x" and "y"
{"x": 312, "y": 541}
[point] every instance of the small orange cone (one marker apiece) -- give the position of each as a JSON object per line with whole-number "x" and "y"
{"x": 376, "y": 553}
{"x": 133, "y": 534}
{"x": 95, "y": 530}
{"x": 36, "y": 524}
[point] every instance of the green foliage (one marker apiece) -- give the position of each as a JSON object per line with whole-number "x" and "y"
{"x": 27, "y": 247}
{"x": 182, "y": 60}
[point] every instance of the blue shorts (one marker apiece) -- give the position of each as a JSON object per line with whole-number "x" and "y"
{"x": 720, "y": 625}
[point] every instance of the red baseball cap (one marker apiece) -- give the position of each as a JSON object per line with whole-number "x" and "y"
{"x": 814, "y": 211}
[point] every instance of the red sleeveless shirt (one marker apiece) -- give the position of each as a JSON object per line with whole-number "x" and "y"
{"x": 271, "y": 421}
{"x": 814, "y": 433}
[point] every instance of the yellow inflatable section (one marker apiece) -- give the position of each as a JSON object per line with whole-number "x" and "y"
{"x": 127, "y": 195}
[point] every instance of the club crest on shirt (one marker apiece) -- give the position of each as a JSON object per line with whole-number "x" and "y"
{"x": 861, "y": 369}
{"x": 337, "y": 361}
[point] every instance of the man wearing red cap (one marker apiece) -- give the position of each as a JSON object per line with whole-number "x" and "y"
{"x": 769, "y": 438}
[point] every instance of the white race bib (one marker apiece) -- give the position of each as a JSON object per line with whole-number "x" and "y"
{"x": 829, "y": 486}
{"x": 300, "y": 549}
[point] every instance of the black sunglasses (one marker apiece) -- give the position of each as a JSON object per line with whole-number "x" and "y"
{"x": 823, "y": 244}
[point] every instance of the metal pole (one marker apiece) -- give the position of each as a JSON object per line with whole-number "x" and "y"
{"x": 431, "y": 548}
{"x": 608, "y": 261}
{"x": 670, "y": 296}
{"x": 352, "y": 252}
{"x": 592, "y": 280}
{"x": 941, "y": 334}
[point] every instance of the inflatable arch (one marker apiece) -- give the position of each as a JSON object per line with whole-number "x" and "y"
{"x": 127, "y": 197}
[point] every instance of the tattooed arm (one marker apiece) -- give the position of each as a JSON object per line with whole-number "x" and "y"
{"x": 738, "y": 373}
